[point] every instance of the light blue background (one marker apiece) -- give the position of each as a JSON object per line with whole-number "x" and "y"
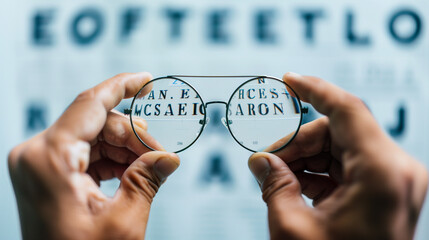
{"x": 387, "y": 75}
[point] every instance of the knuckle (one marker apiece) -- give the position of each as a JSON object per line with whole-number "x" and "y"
{"x": 139, "y": 180}
{"x": 406, "y": 170}
{"x": 86, "y": 95}
{"x": 419, "y": 172}
{"x": 116, "y": 228}
{"x": 318, "y": 83}
{"x": 316, "y": 80}
{"x": 116, "y": 131}
{"x": 411, "y": 182}
{"x": 415, "y": 175}
{"x": 353, "y": 101}
{"x": 24, "y": 163}
{"x": 28, "y": 156}
{"x": 122, "y": 75}
{"x": 424, "y": 176}
{"x": 13, "y": 157}
{"x": 56, "y": 153}
{"x": 118, "y": 82}
{"x": 345, "y": 105}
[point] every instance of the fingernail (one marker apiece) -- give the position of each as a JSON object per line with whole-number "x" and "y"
{"x": 260, "y": 168}
{"x": 164, "y": 167}
{"x": 294, "y": 75}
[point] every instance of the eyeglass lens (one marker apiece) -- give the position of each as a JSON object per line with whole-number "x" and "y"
{"x": 261, "y": 114}
{"x": 174, "y": 114}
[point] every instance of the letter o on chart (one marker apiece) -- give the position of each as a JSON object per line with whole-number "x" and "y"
{"x": 412, "y": 35}
{"x": 87, "y": 26}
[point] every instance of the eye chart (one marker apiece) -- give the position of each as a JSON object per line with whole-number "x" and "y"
{"x": 51, "y": 51}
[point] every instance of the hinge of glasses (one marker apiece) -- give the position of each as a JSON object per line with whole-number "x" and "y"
{"x": 127, "y": 111}
{"x": 305, "y": 110}
{"x": 224, "y": 121}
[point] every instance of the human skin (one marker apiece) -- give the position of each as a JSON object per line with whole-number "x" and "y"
{"x": 56, "y": 174}
{"x": 363, "y": 186}
{"x": 371, "y": 188}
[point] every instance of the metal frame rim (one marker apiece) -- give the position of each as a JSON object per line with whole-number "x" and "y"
{"x": 199, "y": 96}
{"x": 252, "y": 78}
{"x": 287, "y": 85}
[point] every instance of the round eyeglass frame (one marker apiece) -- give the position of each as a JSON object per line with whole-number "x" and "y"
{"x": 289, "y": 88}
{"x": 204, "y": 120}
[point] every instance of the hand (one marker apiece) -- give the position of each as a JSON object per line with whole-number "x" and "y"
{"x": 363, "y": 186}
{"x": 55, "y": 174}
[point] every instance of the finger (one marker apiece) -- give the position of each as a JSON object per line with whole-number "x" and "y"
{"x": 312, "y": 139}
{"x": 83, "y": 120}
{"x": 103, "y": 150}
{"x": 280, "y": 143}
{"x": 311, "y": 150}
{"x": 321, "y": 163}
{"x": 140, "y": 122}
{"x": 282, "y": 193}
{"x": 316, "y": 187}
{"x": 325, "y": 97}
{"x": 85, "y": 117}
{"x": 105, "y": 170}
{"x": 118, "y": 132}
{"x": 141, "y": 181}
{"x": 277, "y": 181}
{"x": 350, "y": 119}
{"x": 145, "y": 137}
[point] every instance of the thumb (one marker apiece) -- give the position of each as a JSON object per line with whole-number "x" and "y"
{"x": 141, "y": 181}
{"x": 288, "y": 214}
{"x": 277, "y": 181}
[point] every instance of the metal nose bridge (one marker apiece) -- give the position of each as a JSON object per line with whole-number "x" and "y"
{"x": 214, "y": 102}
{"x": 223, "y": 119}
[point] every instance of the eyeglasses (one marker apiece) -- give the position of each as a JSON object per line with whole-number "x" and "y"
{"x": 262, "y": 114}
